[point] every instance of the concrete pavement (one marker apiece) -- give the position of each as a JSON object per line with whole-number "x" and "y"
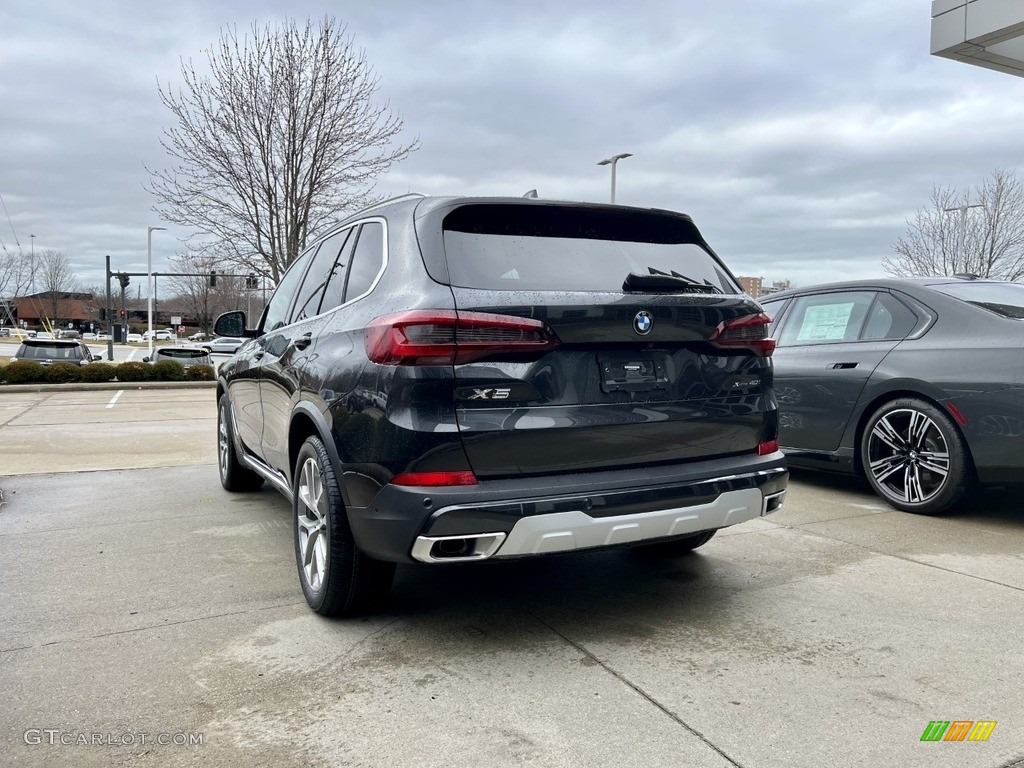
{"x": 141, "y": 602}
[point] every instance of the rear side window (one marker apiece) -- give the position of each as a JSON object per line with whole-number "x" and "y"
{"x": 367, "y": 260}
{"x": 320, "y": 271}
{"x": 553, "y": 248}
{"x": 1006, "y": 299}
{"x": 888, "y": 318}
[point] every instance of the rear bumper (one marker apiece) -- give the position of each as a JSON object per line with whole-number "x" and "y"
{"x": 517, "y": 518}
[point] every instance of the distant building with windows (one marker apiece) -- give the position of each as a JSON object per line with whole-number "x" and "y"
{"x": 755, "y": 286}
{"x": 63, "y": 308}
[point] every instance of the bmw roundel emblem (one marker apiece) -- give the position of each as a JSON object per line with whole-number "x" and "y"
{"x": 643, "y": 322}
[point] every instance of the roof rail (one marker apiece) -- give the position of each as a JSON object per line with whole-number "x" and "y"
{"x": 386, "y": 201}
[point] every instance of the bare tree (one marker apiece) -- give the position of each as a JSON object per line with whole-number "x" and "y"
{"x": 57, "y": 279}
{"x": 198, "y": 298}
{"x": 17, "y": 273}
{"x": 979, "y": 232}
{"x": 280, "y": 137}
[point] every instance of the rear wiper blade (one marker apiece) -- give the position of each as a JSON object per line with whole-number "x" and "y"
{"x": 665, "y": 282}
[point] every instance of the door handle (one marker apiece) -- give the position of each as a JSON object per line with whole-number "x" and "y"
{"x": 303, "y": 341}
{"x": 258, "y": 356}
{"x": 842, "y": 366}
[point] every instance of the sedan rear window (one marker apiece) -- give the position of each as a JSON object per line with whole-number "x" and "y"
{"x": 1006, "y": 299}
{"x": 551, "y": 248}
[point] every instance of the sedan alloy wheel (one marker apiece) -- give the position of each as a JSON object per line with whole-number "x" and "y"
{"x": 914, "y": 457}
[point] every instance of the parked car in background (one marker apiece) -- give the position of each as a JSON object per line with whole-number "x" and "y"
{"x": 5, "y": 332}
{"x": 134, "y": 338}
{"x": 918, "y": 384}
{"x": 197, "y": 337}
{"x": 68, "y": 333}
{"x": 186, "y": 356}
{"x": 445, "y": 380}
{"x": 158, "y": 335}
{"x": 48, "y": 351}
{"x": 223, "y": 345}
{"x": 40, "y": 334}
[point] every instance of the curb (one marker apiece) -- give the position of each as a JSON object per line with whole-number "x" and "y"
{"x": 108, "y": 385}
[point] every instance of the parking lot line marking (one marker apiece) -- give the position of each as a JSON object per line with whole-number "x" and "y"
{"x": 131, "y": 355}
{"x": 114, "y": 398}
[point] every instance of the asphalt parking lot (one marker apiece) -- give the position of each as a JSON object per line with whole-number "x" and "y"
{"x": 145, "y": 610}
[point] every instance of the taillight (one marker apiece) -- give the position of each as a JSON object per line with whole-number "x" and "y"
{"x": 768, "y": 446}
{"x": 747, "y": 332}
{"x": 434, "y": 479}
{"x": 446, "y": 337}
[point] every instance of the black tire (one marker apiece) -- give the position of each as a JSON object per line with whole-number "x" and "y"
{"x": 679, "y": 546}
{"x": 233, "y": 476}
{"x": 337, "y": 579}
{"x": 914, "y": 457}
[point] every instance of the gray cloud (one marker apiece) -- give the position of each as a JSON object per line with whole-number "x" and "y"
{"x": 799, "y": 134}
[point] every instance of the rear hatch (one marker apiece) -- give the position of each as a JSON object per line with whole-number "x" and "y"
{"x": 595, "y": 338}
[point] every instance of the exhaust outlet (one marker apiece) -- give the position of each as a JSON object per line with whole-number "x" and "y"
{"x": 450, "y": 549}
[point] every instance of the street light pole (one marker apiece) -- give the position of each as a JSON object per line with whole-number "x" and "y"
{"x": 613, "y": 160}
{"x": 149, "y": 285}
{"x": 963, "y": 227}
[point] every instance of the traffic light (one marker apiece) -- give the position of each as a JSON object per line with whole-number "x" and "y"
{"x": 213, "y": 278}
{"x": 122, "y": 314}
{"x": 123, "y": 279}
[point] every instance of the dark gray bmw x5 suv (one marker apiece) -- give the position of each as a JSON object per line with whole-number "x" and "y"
{"x": 441, "y": 380}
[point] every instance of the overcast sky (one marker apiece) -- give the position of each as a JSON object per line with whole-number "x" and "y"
{"x": 799, "y": 134}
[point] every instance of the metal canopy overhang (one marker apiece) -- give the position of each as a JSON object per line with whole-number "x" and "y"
{"x": 987, "y": 33}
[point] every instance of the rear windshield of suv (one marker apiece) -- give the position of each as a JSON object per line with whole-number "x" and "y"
{"x": 558, "y": 248}
{"x": 182, "y": 354}
{"x": 49, "y": 350}
{"x": 1006, "y": 299}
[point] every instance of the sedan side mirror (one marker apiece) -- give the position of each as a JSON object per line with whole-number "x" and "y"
{"x": 97, "y": 358}
{"x": 145, "y": 359}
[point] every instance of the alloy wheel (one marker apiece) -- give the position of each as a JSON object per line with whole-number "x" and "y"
{"x": 907, "y": 456}
{"x": 312, "y": 519}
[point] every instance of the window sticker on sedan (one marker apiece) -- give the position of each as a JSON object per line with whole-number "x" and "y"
{"x": 825, "y": 323}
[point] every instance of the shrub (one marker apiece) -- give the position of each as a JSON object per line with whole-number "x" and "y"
{"x": 168, "y": 370}
{"x": 3, "y": 376}
{"x": 62, "y": 373}
{"x": 133, "y": 371}
{"x": 25, "y": 372}
{"x": 97, "y": 372}
{"x": 199, "y": 373}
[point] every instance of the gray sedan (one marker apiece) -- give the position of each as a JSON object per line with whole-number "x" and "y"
{"x": 917, "y": 384}
{"x": 225, "y": 345}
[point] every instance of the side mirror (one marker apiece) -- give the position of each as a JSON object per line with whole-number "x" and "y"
{"x": 230, "y": 324}
{"x": 97, "y": 358}
{"x": 145, "y": 359}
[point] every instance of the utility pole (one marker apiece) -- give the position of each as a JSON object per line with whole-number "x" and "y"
{"x": 110, "y": 317}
